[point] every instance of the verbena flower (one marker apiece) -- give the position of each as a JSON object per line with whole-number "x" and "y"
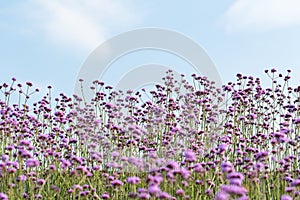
{"x": 133, "y": 180}
{"x": 295, "y": 183}
{"x": 116, "y": 183}
{"x": 3, "y": 196}
{"x": 222, "y": 196}
{"x": 32, "y": 163}
{"x": 189, "y": 155}
{"x": 153, "y": 189}
{"x": 286, "y": 197}
{"x": 234, "y": 189}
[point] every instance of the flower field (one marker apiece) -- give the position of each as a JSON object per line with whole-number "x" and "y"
{"x": 184, "y": 141}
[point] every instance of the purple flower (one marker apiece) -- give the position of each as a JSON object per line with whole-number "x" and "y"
{"x": 289, "y": 179}
{"x": 3, "y": 196}
{"x": 132, "y": 195}
{"x": 4, "y": 157}
{"x": 21, "y": 178}
{"x": 116, "y": 183}
{"x": 185, "y": 173}
{"x": 234, "y": 189}
{"x": 208, "y": 192}
{"x": 77, "y": 187}
{"x": 243, "y": 198}
{"x": 235, "y": 181}
{"x": 26, "y": 154}
{"x": 105, "y": 196}
{"x": 52, "y": 167}
{"x": 96, "y": 167}
{"x": 164, "y": 195}
{"x": 222, "y": 196}
{"x": 184, "y": 183}
{"x": 115, "y": 154}
{"x": 198, "y": 168}
{"x": 189, "y": 156}
{"x": 32, "y": 163}
{"x": 25, "y": 195}
{"x": 153, "y": 189}
{"x": 286, "y": 197}
{"x": 133, "y": 180}
{"x": 155, "y": 179}
{"x": 180, "y": 192}
{"x": 24, "y": 142}
{"x": 289, "y": 189}
{"x": 253, "y": 116}
{"x": 172, "y": 165}
{"x": 142, "y": 190}
{"x": 65, "y": 163}
{"x": 259, "y": 166}
{"x": 226, "y": 167}
{"x": 41, "y": 181}
{"x": 296, "y": 183}
{"x": 297, "y": 120}
{"x": 55, "y": 188}
{"x": 222, "y": 147}
{"x": 261, "y": 155}
{"x": 144, "y": 195}
{"x": 236, "y": 175}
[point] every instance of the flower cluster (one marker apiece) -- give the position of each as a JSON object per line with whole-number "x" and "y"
{"x": 177, "y": 141}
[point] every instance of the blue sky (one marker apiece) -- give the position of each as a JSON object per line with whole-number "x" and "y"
{"x": 47, "y": 42}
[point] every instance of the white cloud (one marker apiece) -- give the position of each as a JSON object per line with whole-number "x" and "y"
{"x": 81, "y": 24}
{"x": 262, "y": 15}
